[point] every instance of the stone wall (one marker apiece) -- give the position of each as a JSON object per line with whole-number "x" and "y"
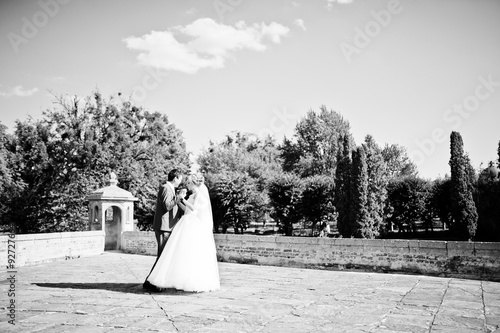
{"x": 139, "y": 242}
{"x": 458, "y": 259}
{"x": 38, "y": 248}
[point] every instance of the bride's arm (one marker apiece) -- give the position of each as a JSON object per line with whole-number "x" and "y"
{"x": 181, "y": 205}
{"x": 187, "y": 204}
{"x": 195, "y": 204}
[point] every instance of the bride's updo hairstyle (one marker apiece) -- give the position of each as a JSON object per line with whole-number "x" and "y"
{"x": 197, "y": 178}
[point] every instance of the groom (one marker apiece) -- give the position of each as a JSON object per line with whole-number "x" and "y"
{"x": 167, "y": 214}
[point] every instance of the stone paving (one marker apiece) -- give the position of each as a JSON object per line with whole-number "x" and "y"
{"x": 104, "y": 294}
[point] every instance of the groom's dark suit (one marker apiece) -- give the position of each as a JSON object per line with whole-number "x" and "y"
{"x": 166, "y": 215}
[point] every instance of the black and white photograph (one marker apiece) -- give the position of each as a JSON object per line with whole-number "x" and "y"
{"x": 250, "y": 166}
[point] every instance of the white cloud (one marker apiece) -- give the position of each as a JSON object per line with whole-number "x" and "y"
{"x": 202, "y": 44}
{"x": 18, "y": 91}
{"x": 330, "y": 3}
{"x": 300, "y": 23}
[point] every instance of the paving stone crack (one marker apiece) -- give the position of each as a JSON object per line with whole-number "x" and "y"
{"x": 292, "y": 312}
{"x": 468, "y": 292}
{"x": 74, "y": 296}
{"x": 440, "y": 304}
{"x": 484, "y": 308}
{"x": 125, "y": 263}
{"x": 379, "y": 324}
{"x": 166, "y": 314}
{"x": 265, "y": 323}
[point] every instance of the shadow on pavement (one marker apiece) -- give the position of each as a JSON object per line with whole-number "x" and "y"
{"x": 133, "y": 288}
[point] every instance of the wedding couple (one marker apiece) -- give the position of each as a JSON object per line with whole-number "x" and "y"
{"x": 186, "y": 258}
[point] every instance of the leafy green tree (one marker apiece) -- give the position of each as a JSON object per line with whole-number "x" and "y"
{"x": 316, "y": 199}
{"x": 342, "y": 200}
{"x": 285, "y": 193}
{"x": 463, "y": 207}
{"x": 377, "y": 188}
{"x": 360, "y": 223}
{"x": 317, "y": 139}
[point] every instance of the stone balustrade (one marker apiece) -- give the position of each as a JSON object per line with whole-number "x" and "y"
{"x": 442, "y": 258}
{"x": 475, "y": 260}
{"x": 28, "y": 249}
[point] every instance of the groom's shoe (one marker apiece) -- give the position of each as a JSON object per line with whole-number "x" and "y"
{"x": 148, "y": 286}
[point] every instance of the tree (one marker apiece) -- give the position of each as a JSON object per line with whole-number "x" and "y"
{"x": 235, "y": 201}
{"x": 342, "y": 200}
{"x": 5, "y": 172}
{"x": 488, "y": 208}
{"x": 377, "y": 187}
{"x": 398, "y": 164}
{"x": 441, "y": 200}
{"x": 285, "y": 193}
{"x": 498, "y": 153}
{"x": 45, "y": 169}
{"x": 463, "y": 207}
{"x": 244, "y": 153}
{"x": 318, "y": 137}
{"x": 290, "y": 154}
{"x": 71, "y": 150}
{"x": 10, "y": 185}
{"x": 359, "y": 225}
{"x": 408, "y": 199}
{"x": 241, "y": 161}
{"x": 316, "y": 199}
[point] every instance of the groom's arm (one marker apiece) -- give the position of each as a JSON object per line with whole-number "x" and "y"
{"x": 169, "y": 200}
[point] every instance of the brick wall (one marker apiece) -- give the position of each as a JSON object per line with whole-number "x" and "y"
{"x": 459, "y": 259}
{"x": 37, "y": 248}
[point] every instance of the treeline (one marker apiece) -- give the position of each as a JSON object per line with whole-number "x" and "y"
{"x": 320, "y": 174}
{"x": 49, "y": 166}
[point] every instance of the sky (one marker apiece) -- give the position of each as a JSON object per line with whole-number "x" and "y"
{"x": 406, "y": 72}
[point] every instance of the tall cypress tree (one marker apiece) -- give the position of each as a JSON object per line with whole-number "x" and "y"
{"x": 463, "y": 207}
{"x": 342, "y": 187}
{"x": 377, "y": 187}
{"x": 359, "y": 215}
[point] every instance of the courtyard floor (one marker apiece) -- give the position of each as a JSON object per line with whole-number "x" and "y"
{"x": 104, "y": 294}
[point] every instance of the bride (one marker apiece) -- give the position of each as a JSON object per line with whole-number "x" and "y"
{"x": 189, "y": 261}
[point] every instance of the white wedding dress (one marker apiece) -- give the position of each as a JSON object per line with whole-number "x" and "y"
{"x": 188, "y": 261}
